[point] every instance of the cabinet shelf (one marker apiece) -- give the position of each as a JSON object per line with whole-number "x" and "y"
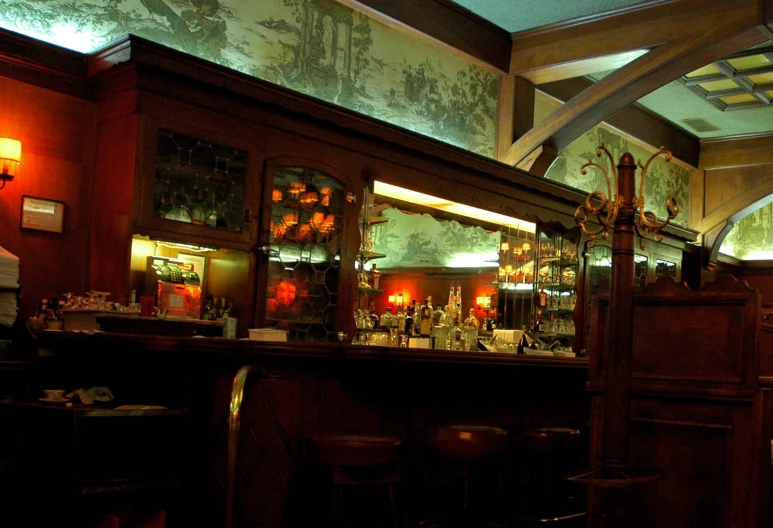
{"x": 558, "y": 261}
{"x": 373, "y": 219}
{"x": 559, "y": 311}
{"x": 368, "y": 290}
{"x": 370, "y": 255}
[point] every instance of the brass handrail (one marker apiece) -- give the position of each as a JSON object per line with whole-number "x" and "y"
{"x": 234, "y": 423}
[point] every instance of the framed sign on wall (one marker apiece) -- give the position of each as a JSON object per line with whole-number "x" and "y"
{"x": 42, "y": 214}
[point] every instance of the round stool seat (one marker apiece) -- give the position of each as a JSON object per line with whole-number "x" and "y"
{"x": 550, "y": 439}
{"x": 470, "y": 441}
{"x": 354, "y": 450}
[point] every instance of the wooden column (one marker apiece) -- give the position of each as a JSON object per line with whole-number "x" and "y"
{"x": 620, "y": 330}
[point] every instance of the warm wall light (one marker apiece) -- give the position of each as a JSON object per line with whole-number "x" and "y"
{"x": 391, "y": 299}
{"x": 400, "y": 300}
{"x": 526, "y": 247}
{"x": 10, "y": 158}
{"x": 484, "y": 303}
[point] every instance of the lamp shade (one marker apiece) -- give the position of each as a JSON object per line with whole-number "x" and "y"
{"x": 10, "y": 155}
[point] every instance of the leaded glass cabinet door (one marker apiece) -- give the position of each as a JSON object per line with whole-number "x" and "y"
{"x": 308, "y": 252}
{"x": 200, "y": 185}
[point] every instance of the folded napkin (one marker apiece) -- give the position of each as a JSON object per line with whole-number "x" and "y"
{"x": 91, "y": 395}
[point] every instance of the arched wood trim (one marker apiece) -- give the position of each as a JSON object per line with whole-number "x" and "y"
{"x": 749, "y": 202}
{"x": 713, "y": 239}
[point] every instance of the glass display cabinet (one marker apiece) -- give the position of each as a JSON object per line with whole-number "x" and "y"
{"x": 305, "y": 253}
{"x": 556, "y": 268}
{"x": 199, "y": 184}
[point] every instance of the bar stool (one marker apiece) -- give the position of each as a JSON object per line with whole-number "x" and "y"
{"x": 471, "y": 445}
{"x": 359, "y": 460}
{"x": 550, "y": 455}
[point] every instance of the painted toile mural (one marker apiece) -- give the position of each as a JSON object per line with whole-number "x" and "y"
{"x": 752, "y": 237}
{"x": 419, "y": 241}
{"x": 663, "y": 179}
{"x": 318, "y": 47}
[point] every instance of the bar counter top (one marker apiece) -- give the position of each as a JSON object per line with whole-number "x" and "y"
{"x": 71, "y": 342}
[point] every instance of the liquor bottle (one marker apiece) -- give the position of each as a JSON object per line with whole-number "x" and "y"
{"x": 375, "y": 277}
{"x": 539, "y": 324}
{"x": 209, "y": 308}
{"x": 471, "y": 321}
{"x": 386, "y": 319}
{"x": 373, "y": 317}
{"x": 425, "y": 325}
{"x": 408, "y": 322}
{"x": 542, "y": 298}
{"x": 523, "y": 343}
{"x": 438, "y": 317}
{"x": 416, "y": 319}
{"x": 400, "y": 320}
{"x": 452, "y": 295}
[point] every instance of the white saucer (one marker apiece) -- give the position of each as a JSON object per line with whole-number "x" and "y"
{"x": 46, "y": 400}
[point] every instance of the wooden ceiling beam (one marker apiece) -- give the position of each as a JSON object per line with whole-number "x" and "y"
{"x": 574, "y": 45}
{"x": 635, "y": 121}
{"x": 446, "y": 25}
{"x": 628, "y": 84}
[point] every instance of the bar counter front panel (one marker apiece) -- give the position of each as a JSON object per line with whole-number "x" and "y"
{"x": 303, "y": 388}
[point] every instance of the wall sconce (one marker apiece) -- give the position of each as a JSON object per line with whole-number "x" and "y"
{"x": 484, "y": 303}
{"x": 10, "y": 159}
{"x": 391, "y": 299}
{"x": 400, "y": 300}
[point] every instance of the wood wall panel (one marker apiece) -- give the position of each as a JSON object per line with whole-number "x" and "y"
{"x": 56, "y": 131}
{"x": 725, "y": 185}
{"x": 663, "y": 355}
{"x": 687, "y": 454}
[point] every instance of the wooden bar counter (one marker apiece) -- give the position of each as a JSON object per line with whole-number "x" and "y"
{"x": 304, "y": 388}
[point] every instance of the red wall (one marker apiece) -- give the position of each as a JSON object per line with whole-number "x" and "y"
{"x": 57, "y": 135}
{"x": 419, "y": 286}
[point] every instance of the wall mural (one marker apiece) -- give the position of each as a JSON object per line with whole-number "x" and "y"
{"x": 752, "y": 237}
{"x": 663, "y": 179}
{"x": 317, "y": 47}
{"x": 419, "y": 241}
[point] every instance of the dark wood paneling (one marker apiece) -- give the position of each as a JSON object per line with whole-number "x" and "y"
{"x": 57, "y": 158}
{"x": 688, "y": 453}
{"x": 662, "y": 351}
{"x": 696, "y": 410}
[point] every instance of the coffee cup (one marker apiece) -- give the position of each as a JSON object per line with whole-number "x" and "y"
{"x": 54, "y": 395}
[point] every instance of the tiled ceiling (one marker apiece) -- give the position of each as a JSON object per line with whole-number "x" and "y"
{"x": 728, "y": 98}
{"x": 520, "y": 15}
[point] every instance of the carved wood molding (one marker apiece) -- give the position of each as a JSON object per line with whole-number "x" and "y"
{"x": 712, "y": 241}
{"x": 445, "y": 25}
{"x": 736, "y": 152}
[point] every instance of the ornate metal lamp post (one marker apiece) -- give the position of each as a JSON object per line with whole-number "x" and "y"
{"x": 623, "y": 213}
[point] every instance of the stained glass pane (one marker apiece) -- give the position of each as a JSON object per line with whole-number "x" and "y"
{"x": 304, "y": 260}
{"x": 199, "y": 182}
